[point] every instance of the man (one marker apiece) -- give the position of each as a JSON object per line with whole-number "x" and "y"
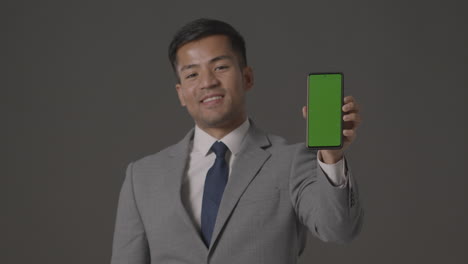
{"x": 229, "y": 192}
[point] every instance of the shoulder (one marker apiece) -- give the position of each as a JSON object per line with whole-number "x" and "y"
{"x": 289, "y": 154}
{"x": 156, "y": 157}
{"x": 280, "y": 144}
{"x": 276, "y": 145}
{"x": 161, "y": 158}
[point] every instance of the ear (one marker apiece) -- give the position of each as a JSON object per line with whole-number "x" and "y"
{"x": 180, "y": 94}
{"x": 248, "y": 77}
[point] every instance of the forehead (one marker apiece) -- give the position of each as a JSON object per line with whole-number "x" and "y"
{"x": 203, "y": 50}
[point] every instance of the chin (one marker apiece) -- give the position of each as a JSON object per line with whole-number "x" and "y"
{"x": 216, "y": 121}
{"x": 219, "y": 119}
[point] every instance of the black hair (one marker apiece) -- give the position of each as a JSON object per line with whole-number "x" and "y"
{"x": 204, "y": 27}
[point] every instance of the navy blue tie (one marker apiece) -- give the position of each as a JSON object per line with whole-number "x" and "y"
{"x": 215, "y": 181}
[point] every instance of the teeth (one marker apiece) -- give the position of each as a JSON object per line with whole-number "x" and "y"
{"x": 212, "y": 98}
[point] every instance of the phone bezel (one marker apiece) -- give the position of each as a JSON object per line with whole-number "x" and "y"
{"x": 342, "y": 113}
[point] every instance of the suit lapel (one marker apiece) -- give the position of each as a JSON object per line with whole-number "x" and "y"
{"x": 248, "y": 163}
{"x": 176, "y": 164}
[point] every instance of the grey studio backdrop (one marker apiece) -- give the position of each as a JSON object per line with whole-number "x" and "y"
{"x": 88, "y": 85}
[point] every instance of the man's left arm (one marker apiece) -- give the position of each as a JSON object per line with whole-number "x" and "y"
{"x": 332, "y": 162}
{"x": 335, "y": 214}
{"x": 352, "y": 119}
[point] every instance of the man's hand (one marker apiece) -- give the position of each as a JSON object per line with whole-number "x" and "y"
{"x": 352, "y": 120}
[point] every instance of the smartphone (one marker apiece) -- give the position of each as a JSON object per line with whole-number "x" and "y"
{"x": 324, "y": 110}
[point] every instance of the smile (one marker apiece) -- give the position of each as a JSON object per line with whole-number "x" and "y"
{"x": 209, "y": 99}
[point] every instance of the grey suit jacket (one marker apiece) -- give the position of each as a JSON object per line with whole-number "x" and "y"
{"x": 276, "y": 192}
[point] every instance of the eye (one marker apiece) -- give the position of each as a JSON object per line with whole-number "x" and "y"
{"x": 191, "y": 75}
{"x": 222, "y": 67}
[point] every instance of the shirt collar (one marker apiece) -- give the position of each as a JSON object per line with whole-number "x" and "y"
{"x": 202, "y": 141}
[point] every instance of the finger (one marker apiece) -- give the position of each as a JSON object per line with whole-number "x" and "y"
{"x": 350, "y": 133}
{"x": 354, "y": 123}
{"x": 349, "y": 99}
{"x": 304, "y": 112}
{"x": 352, "y": 117}
{"x": 351, "y": 125}
{"x": 351, "y": 107}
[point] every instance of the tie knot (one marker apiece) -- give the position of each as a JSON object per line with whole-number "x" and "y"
{"x": 219, "y": 149}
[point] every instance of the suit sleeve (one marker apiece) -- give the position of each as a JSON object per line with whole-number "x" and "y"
{"x": 130, "y": 244}
{"x": 331, "y": 213}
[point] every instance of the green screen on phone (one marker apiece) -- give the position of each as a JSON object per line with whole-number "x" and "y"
{"x": 324, "y": 115}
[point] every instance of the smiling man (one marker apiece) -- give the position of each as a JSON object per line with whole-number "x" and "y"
{"x": 229, "y": 192}
{"x": 213, "y": 84}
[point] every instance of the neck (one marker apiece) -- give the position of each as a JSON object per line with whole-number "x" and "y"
{"x": 221, "y": 131}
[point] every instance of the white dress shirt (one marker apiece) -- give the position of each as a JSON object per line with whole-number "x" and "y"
{"x": 202, "y": 158}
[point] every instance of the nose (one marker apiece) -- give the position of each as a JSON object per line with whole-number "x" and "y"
{"x": 209, "y": 80}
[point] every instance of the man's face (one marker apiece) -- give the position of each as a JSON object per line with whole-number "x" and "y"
{"x": 212, "y": 84}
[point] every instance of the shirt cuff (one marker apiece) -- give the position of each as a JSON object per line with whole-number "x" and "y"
{"x": 334, "y": 172}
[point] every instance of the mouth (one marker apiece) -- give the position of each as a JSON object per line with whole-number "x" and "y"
{"x": 211, "y": 99}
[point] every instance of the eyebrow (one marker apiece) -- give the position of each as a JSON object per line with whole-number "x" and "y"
{"x": 213, "y": 60}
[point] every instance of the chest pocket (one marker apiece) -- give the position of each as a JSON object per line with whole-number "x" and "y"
{"x": 255, "y": 209}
